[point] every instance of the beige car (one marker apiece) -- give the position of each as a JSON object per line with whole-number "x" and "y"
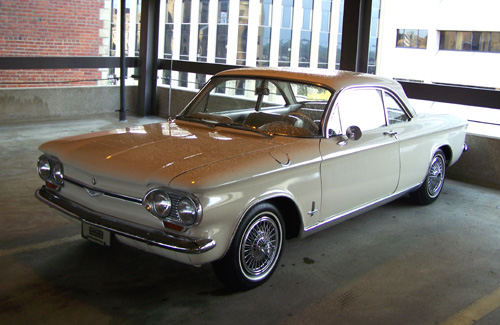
{"x": 257, "y": 157}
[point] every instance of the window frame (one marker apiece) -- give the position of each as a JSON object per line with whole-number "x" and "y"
{"x": 396, "y": 99}
{"x": 476, "y": 40}
{"x": 337, "y": 109}
{"x": 334, "y": 119}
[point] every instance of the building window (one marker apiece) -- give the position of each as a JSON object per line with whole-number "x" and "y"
{"x": 185, "y": 29}
{"x": 372, "y": 52}
{"x": 222, "y": 31}
{"x": 202, "y": 51}
{"x": 138, "y": 29}
{"x": 324, "y": 34}
{"x": 264, "y": 36}
{"x": 286, "y": 33}
{"x": 242, "y": 33}
{"x": 115, "y": 29}
{"x": 169, "y": 30}
{"x": 305, "y": 34}
{"x": 412, "y": 38}
{"x": 339, "y": 35}
{"x": 183, "y": 79}
{"x": 203, "y": 31}
{"x": 470, "y": 41}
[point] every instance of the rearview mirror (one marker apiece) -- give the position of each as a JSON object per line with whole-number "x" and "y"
{"x": 262, "y": 91}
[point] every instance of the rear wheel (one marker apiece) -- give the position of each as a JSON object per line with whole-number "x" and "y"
{"x": 429, "y": 191}
{"x": 256, "y": 248}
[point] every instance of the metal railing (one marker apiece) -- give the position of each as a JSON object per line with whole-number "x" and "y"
{"x": 432, "y": 92}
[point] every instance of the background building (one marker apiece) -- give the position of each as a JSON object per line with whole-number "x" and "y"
{"x": 453, "y": 42}
{"x": 38, "y": 28}
{"x": 449, "y": 42}
{"x": 445, "y": 42}
{"x": 275, "y": 33}
{"x": 285, "y": 33}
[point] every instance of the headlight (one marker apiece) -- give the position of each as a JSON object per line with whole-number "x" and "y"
{"x": 43, "y": 167}
{"x": 162, "y": 204}
{"x": 173, "y": 207}
{"x": 158, "y": 203}
{"x": 50, "y": 170}
{"x": 187, "y": 211}
{"x": 58, "y": 173}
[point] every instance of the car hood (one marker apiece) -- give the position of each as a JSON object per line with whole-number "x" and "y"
{"x": 156, "y": 152}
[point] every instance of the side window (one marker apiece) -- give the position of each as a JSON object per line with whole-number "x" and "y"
{"x": 395, "y": 113}
{"x": 362, "y": 108}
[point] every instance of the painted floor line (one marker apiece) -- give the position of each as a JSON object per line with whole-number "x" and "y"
{"x": 477, "y": 310}
{"x": 42, "y": 245}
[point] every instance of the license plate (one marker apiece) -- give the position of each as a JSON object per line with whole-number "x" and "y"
{"x": 96, "y": 234}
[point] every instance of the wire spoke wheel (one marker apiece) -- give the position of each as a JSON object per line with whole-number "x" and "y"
{"x": 430, "y": 189}
{"x": 259, "y": 246}
{"x": 435, "y": 178}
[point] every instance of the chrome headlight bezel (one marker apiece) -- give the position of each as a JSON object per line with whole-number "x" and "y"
{"x": 188, "y": 203}
{"x": 51, "y": 170}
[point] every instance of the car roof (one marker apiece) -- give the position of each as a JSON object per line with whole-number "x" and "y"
{"x": 334, "y": 79}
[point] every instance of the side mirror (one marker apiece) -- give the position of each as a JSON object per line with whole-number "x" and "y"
{"x": 353, "y": 133}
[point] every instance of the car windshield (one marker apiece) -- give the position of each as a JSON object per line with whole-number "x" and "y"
{"x": 269, "y": 106}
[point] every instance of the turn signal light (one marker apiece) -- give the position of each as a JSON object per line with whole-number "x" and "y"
{"x": 169, "y": 225}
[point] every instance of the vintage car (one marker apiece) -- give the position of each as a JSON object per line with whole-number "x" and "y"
{"x": 257, "y": 157}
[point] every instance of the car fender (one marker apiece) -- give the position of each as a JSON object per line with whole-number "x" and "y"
{"x": 260, "y": 177}
{"x": 265, "y": 197}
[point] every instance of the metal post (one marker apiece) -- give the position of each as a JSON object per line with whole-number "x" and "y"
{"x": 148, "y": 57}
{"x": 365, "y": 17}
{"x": 123, "y": 69}
{"x": 350, "y": 28}
{"x": 355, "y": 35}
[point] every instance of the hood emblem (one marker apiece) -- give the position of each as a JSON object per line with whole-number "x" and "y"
{"x": 94, "y": 181}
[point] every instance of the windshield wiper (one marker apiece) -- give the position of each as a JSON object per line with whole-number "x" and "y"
{"x": 212, "y": 125}
{"x": 197, "y": 120}
{"x": 244, "y": 127}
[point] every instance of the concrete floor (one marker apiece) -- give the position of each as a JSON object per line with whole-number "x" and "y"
{"x": 399, "y": 264}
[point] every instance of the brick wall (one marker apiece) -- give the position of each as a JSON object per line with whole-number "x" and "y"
{"x": 51, "y": 28}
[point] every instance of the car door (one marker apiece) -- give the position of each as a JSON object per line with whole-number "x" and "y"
{"x": 356, "y": 173}
{"x": 413, "y": 151}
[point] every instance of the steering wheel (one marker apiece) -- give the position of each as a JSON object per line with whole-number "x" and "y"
{"x": 305, "y": 121}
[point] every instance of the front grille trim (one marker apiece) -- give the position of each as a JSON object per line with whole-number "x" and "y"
{"x": 104, "y": 192}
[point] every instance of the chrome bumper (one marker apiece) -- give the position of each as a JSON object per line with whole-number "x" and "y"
{"x": 127, "y": 229}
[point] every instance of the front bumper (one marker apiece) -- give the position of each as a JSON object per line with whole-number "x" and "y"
{"x": 147, "y": 235}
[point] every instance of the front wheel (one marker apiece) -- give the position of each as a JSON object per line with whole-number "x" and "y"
{"x": 255, "y": 250}
{"x": 429, "y": 191}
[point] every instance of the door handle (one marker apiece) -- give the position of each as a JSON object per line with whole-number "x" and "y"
{"x": 391, "y": 133}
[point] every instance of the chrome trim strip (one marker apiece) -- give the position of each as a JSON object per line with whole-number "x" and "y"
{"x": 127, "y": 229}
